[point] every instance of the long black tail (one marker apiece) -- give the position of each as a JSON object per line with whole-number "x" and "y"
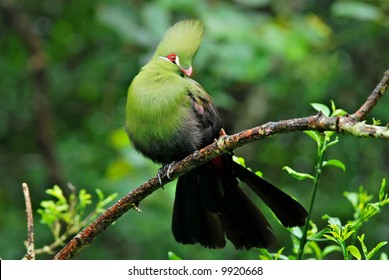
{"x": 288, "y": 211}
{"x": 210, "y": 205}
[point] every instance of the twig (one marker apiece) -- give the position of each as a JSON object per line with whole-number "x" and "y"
{"x": 373, "y": 98}
{"x": 49, "y": 249}
{"x": 319, "y": 122}
{"x": 30, "y": 255}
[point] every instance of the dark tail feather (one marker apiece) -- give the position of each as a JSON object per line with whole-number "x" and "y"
{"x": 196, "y": 217}
{"x": 209, "y": 204}
{"x": 287, "y": 210}
{"x": 245, "y": 225}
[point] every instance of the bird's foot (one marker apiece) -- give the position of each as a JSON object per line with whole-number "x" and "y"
{"x": 166, "y": 168}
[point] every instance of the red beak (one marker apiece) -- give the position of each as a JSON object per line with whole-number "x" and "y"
{"x": 188, "y": 71}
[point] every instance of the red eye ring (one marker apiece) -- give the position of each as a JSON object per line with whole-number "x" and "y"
{"x": 172, "y": 57}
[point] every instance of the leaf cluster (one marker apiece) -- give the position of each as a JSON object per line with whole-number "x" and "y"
{"x": 306, "y": 242}
{"x": 66, "y": 216}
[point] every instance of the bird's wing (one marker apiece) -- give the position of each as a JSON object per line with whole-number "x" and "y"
{"x": 209, "y": 203}
{"x": 206, "y": 114}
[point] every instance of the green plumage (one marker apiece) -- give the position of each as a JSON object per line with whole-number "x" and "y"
{"x": 169, "y": 116}
{"x": 184, "y": 39}
{"x": 158, "y": 114}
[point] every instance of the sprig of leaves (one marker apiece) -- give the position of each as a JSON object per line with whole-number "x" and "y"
{"x": 323, "y": 140}
{"x": 363, "y": 211}
{"x": 66, "y": 216}
{"x": 307, "y": 241}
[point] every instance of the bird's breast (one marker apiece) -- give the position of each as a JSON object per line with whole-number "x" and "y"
{"x": 160, "y": 123}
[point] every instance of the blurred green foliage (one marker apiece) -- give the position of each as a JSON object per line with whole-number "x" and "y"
{"x": 260, "y": 60}
{"x": 345, "y": 236}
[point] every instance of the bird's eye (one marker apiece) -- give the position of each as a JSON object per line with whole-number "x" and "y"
{"x": 172, "y": 57}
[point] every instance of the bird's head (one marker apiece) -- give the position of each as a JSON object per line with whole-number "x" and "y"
{"x": 180, "y": 45}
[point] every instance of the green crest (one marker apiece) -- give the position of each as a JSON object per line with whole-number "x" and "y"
{"x": 183, "y": 39}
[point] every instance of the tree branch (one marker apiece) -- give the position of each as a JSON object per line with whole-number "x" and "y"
{"x": 350, "y": 124}
{"x": 373, "y": 98}
{"x": 30, "y": 255}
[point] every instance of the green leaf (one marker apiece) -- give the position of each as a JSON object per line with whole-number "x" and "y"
{"x": 382, "y": 196}
{"x": 108, "y": 200}
{"x": 298, "y": 175}
{"x": 296, "y": 231}
{"x": 104, "y": 201}
{"x": 315, "y": 135}
{"x": 336, "y": 163}
{"x": 333, "y": 107}
{"x": 328, "y": 135}
{"x": 347, "y": 234}
{"x": 364, "y": 248}
{"x": 376, "y": 121}
{"x": 376, "y": 248}
{"x": 331, "y": 248}
{"x": 332, "y": 142}
{"x": 172, "y": 256}
{"x": 320, "y": 233}
{"x": 239, "y": 160}
{"x": 279, "y": 253}
{"x": 334, "y": 221}
{"x": 329, "y": 237}
{"x": 84, "y": 198}
{"x": 100, "y": 194}
{"x": 353, "y": 198}
{"x": 383, "y": 257}
{"x": 338, "y": 112}
{"x": 264, "y": 254}
{"x": 56, "y": 191}
{"x": 315, "y": 249}
{"x": 321, "y": 108}
{"x": 354, "y": 251}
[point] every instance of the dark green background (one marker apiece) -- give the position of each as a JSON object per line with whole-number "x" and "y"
{"x": 260, "y": 61}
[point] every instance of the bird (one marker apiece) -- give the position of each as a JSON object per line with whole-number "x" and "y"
{"x": 168, "y": 117}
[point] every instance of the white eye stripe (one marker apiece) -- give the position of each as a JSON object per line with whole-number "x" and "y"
{"x": 177, "y": 61}
{"x": 165, "y": 58}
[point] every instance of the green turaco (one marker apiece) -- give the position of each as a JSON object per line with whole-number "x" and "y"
{"x": 169, "y": 116}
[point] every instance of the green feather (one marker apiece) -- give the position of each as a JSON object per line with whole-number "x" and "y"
{"x": 158, "y": 110}
{"x": 156, "y": 103}
{"x": 183, "y": 39}
{"x": 159, "y": 115}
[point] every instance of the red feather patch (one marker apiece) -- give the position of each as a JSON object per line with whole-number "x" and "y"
{"x": 218, "y": 162}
